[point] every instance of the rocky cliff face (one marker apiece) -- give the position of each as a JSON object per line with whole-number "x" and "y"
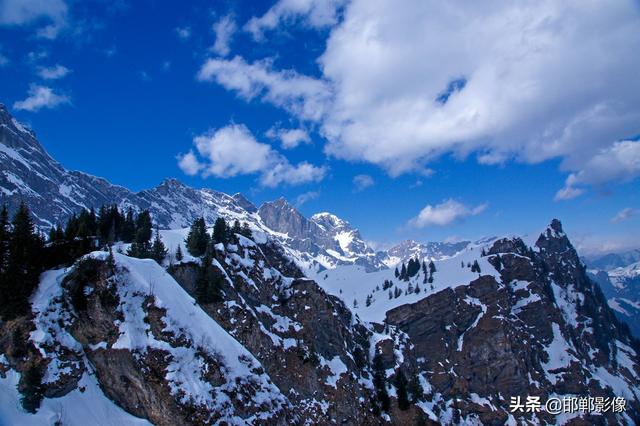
{"x": 540, "y": 328}
{"x": 324, "y": 240}
{"x": 279, "y": 349}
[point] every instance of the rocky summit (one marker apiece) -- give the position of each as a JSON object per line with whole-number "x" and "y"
{"x": 304, "y": 322}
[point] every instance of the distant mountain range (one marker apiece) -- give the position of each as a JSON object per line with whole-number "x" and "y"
{"x": 618, "y": 275}
{"x": 53, "y": 193}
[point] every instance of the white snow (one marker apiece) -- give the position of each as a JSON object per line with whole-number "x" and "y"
{"x": 559, "y": 354}
{"x": 336, "y": 367}
{"x": 352, "y": 282}
{"x": 137, "y": 281}
{"x": 77, "y": 408}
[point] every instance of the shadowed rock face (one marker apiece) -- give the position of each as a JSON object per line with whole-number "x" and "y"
{"x": 322, "y": 234}
{"x": 497, "y": 338}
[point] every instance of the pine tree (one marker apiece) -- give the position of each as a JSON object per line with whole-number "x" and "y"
{"x": 129, "y": 227}
{"x": 236, "y": 229}
{"x": 158, "y": 250}
{"x": 432, "y": 267}
{"x": 23, "y": 264}
{"x": 208, "y": 281}
{"x": 390, "y": 295}
{"x": 220, "y": 232}
{"x": 415, "y": 389}
{"x": 143, "y": 227}
{"x": 179, "y": 255}
{"x": 246, "y": 230}
{"x": 368, "y": 300}
{"x": 403, "y": 272}
{"x": 475, "y": 267}
{"x": 355, "y": 303}
{"x": 4, "y": 239}
{"x": 397, "y": 273}
{"x": 198, "y": 238}
{"x": 379, "y": 382}
{"x": 400, "y": 382}
{"x": 417, "y": 289}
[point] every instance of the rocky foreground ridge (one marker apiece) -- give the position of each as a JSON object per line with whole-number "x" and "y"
{"x": 127, "y": 336}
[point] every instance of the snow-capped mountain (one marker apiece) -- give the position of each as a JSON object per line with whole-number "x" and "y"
{"x": 611, "y": 261}
{"x": 621, "y": 286}
{"x": 54, "y": 194}
{"x": 324, "y": 240}
{"x": 411, "y": 249}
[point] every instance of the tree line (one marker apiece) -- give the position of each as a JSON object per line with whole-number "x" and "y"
{"x": 200, "y": 244}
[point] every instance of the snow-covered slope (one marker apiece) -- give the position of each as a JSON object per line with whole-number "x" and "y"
{"x": 77, "y": 408}
{"x": 621, "y": 286}
{"x": 158, "y": 328}
{"x": 353, "y": 283}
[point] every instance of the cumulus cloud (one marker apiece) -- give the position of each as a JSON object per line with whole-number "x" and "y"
{"x": 189, "y": 163}
{"x": 624, "y": 214}
{"x": 445, "y": 213}
{"x": 301, "y": 95}
{"x": 54, "y": 72}
{"x": 306, "y": 197}
{"x": 527, "y": 81}
{"x": 619, "y": 162}
{"x": 183, "y": 33}
{"x": 527, "y": 92}
{"x": 289, "y": 138}
{"x": 41, "y": 97}
{"x": 224, "y": 30}
{"x": 25, "y": 12}
{"x": 233, "y": 150}
{"x": 312, "y": 13}
{"x": 362, "y": 182}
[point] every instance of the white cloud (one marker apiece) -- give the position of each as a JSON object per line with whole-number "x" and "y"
{"x": 624, "y": 214}
{"x": 538, "y": 81}
{"x": 53, "y": 73}
{"x": 289, "y": 138}
{"x": 25, "y": 12}
{"x": 189, "y": 163}
{"x": 184, "y": 33}
{"x": 301, "y": 95}
{"x": 41, "y": 97}
{"x": 312, "y": 13}
{"x": 283, "y": 172}
{"x": 306, "y": 197}
{"x": 403, "y": 86}
{"x": 362, "y": 182}
{"x": 445, "y": 213}
{"x": 224, "y": 30}
{"x": 618, "y": 162}
{"x": 232, "y": 150}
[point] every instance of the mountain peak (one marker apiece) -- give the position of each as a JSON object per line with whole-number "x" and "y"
{"x": 172, "y": 183}
{"x": 243, "y": 202}
{"x": 7, "y": 120}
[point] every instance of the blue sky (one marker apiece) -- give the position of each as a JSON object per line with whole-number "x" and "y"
{"x": 339, "y": 107}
